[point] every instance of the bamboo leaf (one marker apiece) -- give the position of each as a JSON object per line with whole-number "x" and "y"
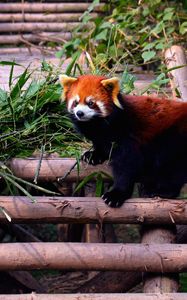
{"x": 2, "y": 209}
{"x": 85, "y": 181}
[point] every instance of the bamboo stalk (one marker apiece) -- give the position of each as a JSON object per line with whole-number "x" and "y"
{"x": 89, "y": 256}
{"x": 35, "y": 38}
{"x": 175, "y": 57}
{"x": 38, "y": 17}
{"x": 92, "y": 210}
{"x": 160, "y": 283}
{"x": 53, "y": 168}
{"x": 30, "y": 27}
{"x": 138, "y": 296}
{"x": 47, "y": 7}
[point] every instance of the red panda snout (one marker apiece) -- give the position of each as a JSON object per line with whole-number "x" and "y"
{"x": 86, "y": 109}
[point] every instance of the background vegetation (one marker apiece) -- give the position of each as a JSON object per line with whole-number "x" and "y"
{"x": 128, "y": 34}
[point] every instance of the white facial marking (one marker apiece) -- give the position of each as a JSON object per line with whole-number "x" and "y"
{"x": 102, "y": 108}
{"x": 88, "y": 113}
{"x": 90, "y": 98}
{"x": 71, "y": 101}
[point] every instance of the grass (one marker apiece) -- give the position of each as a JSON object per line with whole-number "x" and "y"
{"x": 33, "y": 118}
{"x": 33, "y": 121}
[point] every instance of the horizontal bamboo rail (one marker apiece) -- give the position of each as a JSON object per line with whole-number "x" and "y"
{"x": 94, "y": 256}
{"x": 30, "y": 27}
{"x": 38, "y": 17}
{"x": 92, "y": 210}
{"x": 47, "y": 7}
{"x": 138, "y": 296}
{"x": 35, "y": 38}
{"x": 52, "y": 168}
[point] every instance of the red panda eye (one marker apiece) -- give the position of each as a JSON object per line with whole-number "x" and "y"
{"x": 90, "y": 103}
{"x": 76, "y": 103}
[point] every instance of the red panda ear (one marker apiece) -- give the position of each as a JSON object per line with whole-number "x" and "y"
{"x": 66, "y": 83}
{"x": 112, "y": 84}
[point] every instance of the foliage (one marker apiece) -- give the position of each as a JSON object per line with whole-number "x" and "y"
{"x": 133, "y": 32}
{"x": 32, "y": 116}
{"x": 99, "y": 178}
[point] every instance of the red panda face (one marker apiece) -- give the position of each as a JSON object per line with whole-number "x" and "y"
{"x": 89, "y": 96}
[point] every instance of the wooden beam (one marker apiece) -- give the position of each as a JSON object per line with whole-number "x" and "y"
{"x": 138, "y": 296}
{"x": 47, "y": 7}
{"x": 39, "y": 17}
{"x": 39, "y": 26}
{"x": 35, "y": 38}
{"x": 159, "y": 282}
{"x": 94, "y": 256}
{"x": 92, "y": 210}
{"x": 53, "y": 168}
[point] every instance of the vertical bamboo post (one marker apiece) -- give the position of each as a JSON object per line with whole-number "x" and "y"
{"x": 93, "y": 232}
{"x": 167, "y": 283}
{"x": 175, "y": 57}
{"x": 159, "y": 282}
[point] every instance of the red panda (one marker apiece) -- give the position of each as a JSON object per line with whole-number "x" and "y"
{"x": 149, "y": 136}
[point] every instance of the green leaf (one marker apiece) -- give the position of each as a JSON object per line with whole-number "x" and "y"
{"x": 106, "y": 25}
{"x": 158, "y": 28}
{"x": 99, "y": 185}
{"x": 93, "y": 5}
{"x": 103, "y": 35}
{"x": 33, "y": 88}
{"x": 72, "y": 63}
{"x": 9, "y": 63}
{"x": 127, "y": 82}
{"x": 149, "y": 46}
{"x": 3, "y": 95}
{"x": 168, "y": 16}
{"x": 16, "y": 91}
{"x": 22, "y": 189}
{"x": 148, "y": 55}
{"x": 85, "y": 181}
{"x": 160, "y": 46}
{"x": 183, "y": 28}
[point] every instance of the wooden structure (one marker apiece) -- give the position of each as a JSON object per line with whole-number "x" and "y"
{"x": 149, "y": 258}
{"x": 158, "y": 257}
{"x": 24, "y": 22}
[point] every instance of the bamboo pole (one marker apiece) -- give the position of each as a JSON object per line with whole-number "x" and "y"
{"x": 174, "y": 57}
{"x": 47, "y": 7}
{"x": 35, "y": 38}
{"x": 93, "y": 233}
{"x": 92, "y": 210}
{"x": 39, "y": 17}
{"x": 160, "y": 283}
{"x": 53, "y": 168}
{"x": 138, "y": 296}
{"x": 30, "y": 27}
{"x": 89, "y": 256}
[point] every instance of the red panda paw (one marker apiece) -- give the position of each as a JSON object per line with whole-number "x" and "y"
{"x": 92, "y": 158}
{"x": 114, "y": 198}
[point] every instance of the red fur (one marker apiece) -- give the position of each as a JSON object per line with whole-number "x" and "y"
{"x": 156, "y": 115}
{"x": 150, "y": 136}
{"x": 90, "y": 85}
{"x": 152, "y": 115}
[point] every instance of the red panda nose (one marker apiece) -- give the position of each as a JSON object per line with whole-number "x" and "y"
{"x": 80, "y": 114}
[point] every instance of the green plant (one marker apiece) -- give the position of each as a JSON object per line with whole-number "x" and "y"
{"x": 98, "y": 177}
{"x": 133, "y": 32}
{"x": 32, "y": 116}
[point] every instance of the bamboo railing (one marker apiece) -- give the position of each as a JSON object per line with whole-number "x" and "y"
{"x": 23, "y": 22}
